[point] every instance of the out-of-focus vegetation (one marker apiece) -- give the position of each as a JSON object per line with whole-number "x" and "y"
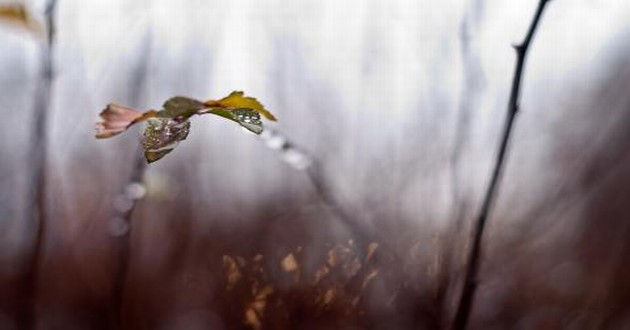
{"x": 398, "y": 104}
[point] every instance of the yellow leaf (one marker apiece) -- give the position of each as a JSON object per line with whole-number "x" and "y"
{"x": 17, "y": 14}
{"x": 13, "y": 13}
{"x": 234, "y": 274}
{"x": 237, "y": 100}
{"x": 289, "y": 264}
{"x": 252, "y": 318}
{"x": 370, "y": 250}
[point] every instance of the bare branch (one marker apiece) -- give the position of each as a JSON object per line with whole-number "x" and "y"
{"x": 36, "y": 207}
{"x": 472, "y": 269}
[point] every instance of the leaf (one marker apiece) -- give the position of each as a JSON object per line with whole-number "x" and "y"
{"x": 162, "y": 135}
{"x": 222, "y": 112}
{"x": 237, "y": 100}
{"x": 166, "y": 128}
{"x": 143, "y": 117}
{"x": 247, "y": 118}
{"x": 117, "y": 119}
{"x": 181, "y": 106}
{"x": 17, "y": 13}
{"x": 289, "y": 264}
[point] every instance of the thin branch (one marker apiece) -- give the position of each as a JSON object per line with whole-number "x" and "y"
{"x": 472, "y": 269}
{"x": 36, "y": 209}
{"x": 300, "y": 160}
{"x": 474, "y": 82}
{"x": 119, "y": 225}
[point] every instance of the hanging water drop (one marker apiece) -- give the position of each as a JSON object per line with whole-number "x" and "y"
{"x": 159, "y": 142}
{"x": 135, "y": 190}
{"x": 117, "y": 227}
{"x": 249, "y": 119}
{"x": 273, "y": 140}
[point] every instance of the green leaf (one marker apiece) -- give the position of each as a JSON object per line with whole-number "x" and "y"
{"x": 247, "y": 118}
{"x": 181, "y": 106}
{"x": 162, "y": 135}
{"x": 223, "y": 113}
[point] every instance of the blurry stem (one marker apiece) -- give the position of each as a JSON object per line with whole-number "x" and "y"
{"x": 120, "y": 224}
{"x": 464, "y": 307}
{"x": 327, "y": 195}
{"x": 300, "y": 160}
{"x": 37, "y": 162}
{"x": 123, "y": 218}
{"x": 473, "y": 85}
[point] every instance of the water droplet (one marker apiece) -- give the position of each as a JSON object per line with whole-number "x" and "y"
{"x": 249, "y": 119}
{"x": 296, "y": 159}
{"x": 135, "y": 190}
{"x": 122, "y": 203}
{"x": 273, "y": 141}
{"x": 156, "y": 123}
{"x": 158, "y": 143}
{"x": 247, "y": 131}
{"x": 118, "y": 227}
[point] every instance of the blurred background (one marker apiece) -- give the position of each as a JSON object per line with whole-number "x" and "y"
{"x": 399, "y": 104}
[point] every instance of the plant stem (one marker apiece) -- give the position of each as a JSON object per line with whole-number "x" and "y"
{"x": 474, "y": 83}
{"x": 122, "y": 230}
{"x": 120, "y": 224}
{"x": 464, "y": 308}
{"x": 300, "y": 160}
{"x": 36, "y": 210}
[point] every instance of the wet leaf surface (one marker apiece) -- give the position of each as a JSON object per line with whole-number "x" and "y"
{"x": 162, "y": 135}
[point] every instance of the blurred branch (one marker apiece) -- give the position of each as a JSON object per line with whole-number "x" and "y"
{"x": 474, "y": 82}
{"x": 36, "y": 210}
{"x": 464, "y": 307}
{"x": 119, "y": 225}
{"x": 302, "y": 161}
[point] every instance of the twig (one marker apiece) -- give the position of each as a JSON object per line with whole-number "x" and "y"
{"x": 36, "y": 210}
{"x": 474, "y": 81}
{"x": 119, "y": 226}
{"x": 473, "y": 84}
{"x": 302, "y": 161}
{"x": 472, "y": 269}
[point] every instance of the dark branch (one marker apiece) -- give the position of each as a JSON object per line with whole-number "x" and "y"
{"x": 472, "y": 269}
{"x": 36, "y": 209}
{"x": 120, "y": 224}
